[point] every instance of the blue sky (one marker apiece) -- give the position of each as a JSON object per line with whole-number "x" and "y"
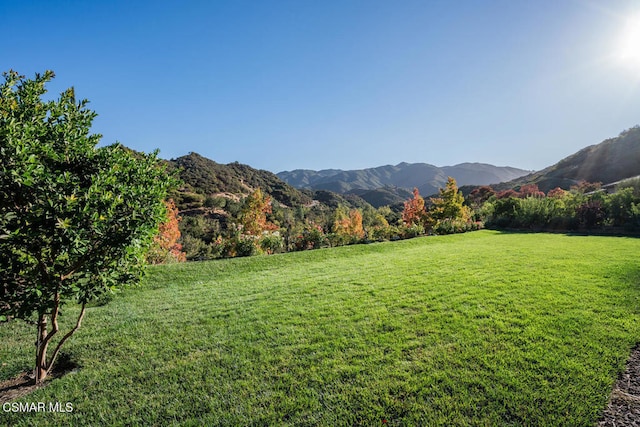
{"x": 282, "y": 85}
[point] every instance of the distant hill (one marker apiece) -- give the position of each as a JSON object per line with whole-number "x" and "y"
{"x": 612, "y": 160}
{"x": 385, "y": 196}
{"x": 427, "y": 178}
{"x": 333, "y": 200}
{"x": 204, "y": 176}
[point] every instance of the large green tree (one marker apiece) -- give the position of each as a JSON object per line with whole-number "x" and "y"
{"x": 449, "y": 206}
{"x": 75, "y": 220}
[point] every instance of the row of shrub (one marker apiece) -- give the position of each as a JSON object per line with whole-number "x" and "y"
{"x": 312, "y": 237}
{"x": 566, "y": 211}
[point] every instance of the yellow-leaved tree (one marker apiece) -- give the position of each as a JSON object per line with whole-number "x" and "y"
{"x": 449, "y": 207}
{"x": 253, "y": 215}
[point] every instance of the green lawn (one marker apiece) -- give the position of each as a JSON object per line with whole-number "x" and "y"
{"x": 484, "y": 328}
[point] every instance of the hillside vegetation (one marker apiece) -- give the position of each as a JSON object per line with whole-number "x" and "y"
{"x": 612, "y": 160}
{"x": 206, "y": 177}
{"x": 214, "y": 206}
{"x": 484, "y": 328}
{"x": 385, "y": 196}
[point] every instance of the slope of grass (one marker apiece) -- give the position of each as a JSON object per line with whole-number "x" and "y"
{"x": 477, "y": 329}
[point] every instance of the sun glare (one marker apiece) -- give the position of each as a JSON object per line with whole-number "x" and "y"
{"x": 628, "y": 47}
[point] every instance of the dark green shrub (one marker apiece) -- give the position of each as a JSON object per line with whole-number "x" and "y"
{"x": 380, "y": 233}
{"x": 410, "y": 231}
{"x": 215, "y": 202}
{"x": 195, "y": 249}
{"x": 619, "y": 206}
{"x": 245, "y": 246}
{"x": 505, "y": 213}
{"x": 190, "y": 200}
{"x": 271, "y": 243}
{"x": 591, "y": 214}
{"x": 200, "y": 227}
{"x": 311, "y": 238}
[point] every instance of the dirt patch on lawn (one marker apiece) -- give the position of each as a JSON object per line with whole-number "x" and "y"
{"x": 623, "y": 409}
{"x": 17, "y": 387}
{"x": 22, "y": 384}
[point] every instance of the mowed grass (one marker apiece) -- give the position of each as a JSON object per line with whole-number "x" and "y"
{"x": 482, "y": 329}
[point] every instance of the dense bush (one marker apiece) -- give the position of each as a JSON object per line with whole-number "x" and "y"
{"x": 311, "y": 238}
{"x": 188, "y": 200}
{"x": 451, "y": 226}
{"x": 215, "y": 202}
{"x": 196, "y": 249}
{"x": 243, "y": 246}
{"x": 410, "y": 231}
{"x": 502, "y": 212}
{"x": 619, "y": 207}
{"x": 200, "y": 227}
{"x": 380, "y": 233}
{"x": 271, "y": 243}
{"x": 565, "y": 210}
{"x": 590, "y": 214}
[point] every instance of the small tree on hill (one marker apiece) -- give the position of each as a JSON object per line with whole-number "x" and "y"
{"x": 584, "y": 187}
{"x": 75, "y": 220}
{"x": 355, "y": 224}
{"x": 556, "y": 193}
{"x": 449, "y": 206}
{"x": 347, "y": 225}
{"x": 165, "y": 246}
{"x": 506, "y": 194}
{"x": 253, "y": 215}
{"x": 479, "y": 196}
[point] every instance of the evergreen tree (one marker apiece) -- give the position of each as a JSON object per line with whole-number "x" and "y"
{"x": 449, "y": 206}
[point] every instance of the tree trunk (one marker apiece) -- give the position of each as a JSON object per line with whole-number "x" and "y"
{"x": 41, "y": 350}
{"x": 42, "y": 366}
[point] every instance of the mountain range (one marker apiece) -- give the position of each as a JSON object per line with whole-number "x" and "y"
{"x": 612, "y": 160}
{"x": 423, "y": 176}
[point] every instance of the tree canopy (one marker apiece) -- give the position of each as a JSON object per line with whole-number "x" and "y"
{"x": 449, "y": 206}
{"x": 75, "y": 219}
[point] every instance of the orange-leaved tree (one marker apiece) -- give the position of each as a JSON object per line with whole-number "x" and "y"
{"x": 348, "y": 224}
{"x": 355, "y": 224}
{"x": 253, "y": 215}
{"x": 414, "y": 210}
{"x": 165, "y": 246}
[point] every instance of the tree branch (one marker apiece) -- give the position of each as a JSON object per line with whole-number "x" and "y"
{"x": 54, "y": 319}
{"x": 67, "y": 336}
{"x": 95, "y": 248}
{"x": 41, "y": 265}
